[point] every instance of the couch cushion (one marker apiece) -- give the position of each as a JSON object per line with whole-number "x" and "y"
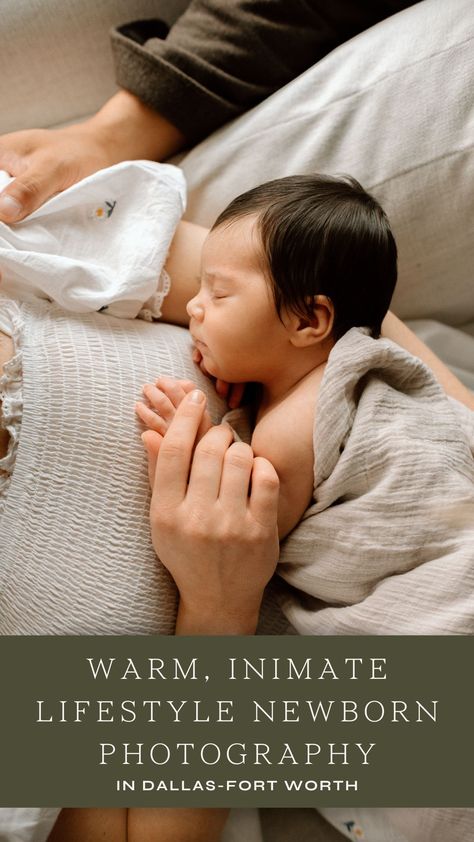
{"x": 57, "y": 57}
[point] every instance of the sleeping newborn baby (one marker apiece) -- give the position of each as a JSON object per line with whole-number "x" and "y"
{"x": 287, "y": 270}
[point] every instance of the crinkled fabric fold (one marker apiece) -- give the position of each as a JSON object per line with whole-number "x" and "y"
{"x": 11, "y": 393}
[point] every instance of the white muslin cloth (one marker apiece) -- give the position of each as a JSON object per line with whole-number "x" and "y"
{"x": 101, "y": 245}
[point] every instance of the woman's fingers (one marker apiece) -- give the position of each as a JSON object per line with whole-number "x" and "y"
{"x": 263, "y": 503}
{"x": 44, "y": 162}
{"x": 175, "y": 455}
{"x": 206, "y": 422}
{"x": 208, "y": 461}
{"x": 37, "y": 177}
{"x": 236, "y": 473}
{"x": 187, "y": 385}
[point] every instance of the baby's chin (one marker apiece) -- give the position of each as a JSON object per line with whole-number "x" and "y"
{"x": 222, "y": 373}
{"x": 219, "y": 371}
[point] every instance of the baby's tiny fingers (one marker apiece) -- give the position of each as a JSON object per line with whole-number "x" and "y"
{"x": 151, "y": 419}
{"x": 222, "y": 388}
{"x": 172, "y": 389}
{"x": 159, "y": 401}
{"x": 203, "y": 368}
{"x": 235, "y": 395}
{"x": 152, "y": 443}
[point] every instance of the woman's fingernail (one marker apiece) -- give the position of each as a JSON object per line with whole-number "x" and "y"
{"x": 197, "y": 396}
{"x": 10, "y": 208}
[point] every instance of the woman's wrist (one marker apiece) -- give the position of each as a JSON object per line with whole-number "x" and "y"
{"x": 131, "y": 130}
{"x": 199, "y": 620}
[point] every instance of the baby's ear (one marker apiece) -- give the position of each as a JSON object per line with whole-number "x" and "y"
{"x": 313, "y": 329}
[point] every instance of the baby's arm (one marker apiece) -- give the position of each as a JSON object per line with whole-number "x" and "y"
{"x": 184, "y": 268}
{"x": 284, "y": 436}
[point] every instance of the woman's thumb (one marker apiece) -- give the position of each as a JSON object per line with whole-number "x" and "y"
{"x": 23, "y": 195}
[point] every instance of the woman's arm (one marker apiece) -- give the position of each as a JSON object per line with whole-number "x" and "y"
{"x": 164, "y": 824}
{"x": 220, "y": 544}
{"x": 218, "y": 538}
{"x": 45, "y": 162}
{"x": 393, "y": 328}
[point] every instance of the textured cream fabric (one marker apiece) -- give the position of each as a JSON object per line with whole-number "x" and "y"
{"x": 76, "y": 552}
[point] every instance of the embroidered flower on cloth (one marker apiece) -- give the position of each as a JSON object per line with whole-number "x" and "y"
{"x": 103, "y": 211}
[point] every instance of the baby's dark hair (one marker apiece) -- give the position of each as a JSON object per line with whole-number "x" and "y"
{"x": 323, "y": 236}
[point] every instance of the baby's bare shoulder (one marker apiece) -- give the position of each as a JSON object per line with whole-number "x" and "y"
{"x": 288, "y": 424}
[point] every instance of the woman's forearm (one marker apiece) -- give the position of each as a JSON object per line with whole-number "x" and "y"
{"x": 132, "y": 130}
{"x": 394, "y": 329}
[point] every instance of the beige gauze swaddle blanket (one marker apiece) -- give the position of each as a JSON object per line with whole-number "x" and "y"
{"x": 388, "y": 544}
{"x": 389, "y": 540}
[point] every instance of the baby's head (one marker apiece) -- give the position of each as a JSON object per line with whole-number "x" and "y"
{"x": 321, "y": 235}
{"x": 289, "y": 267}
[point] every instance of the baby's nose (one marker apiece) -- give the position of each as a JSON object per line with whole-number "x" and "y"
{"x": 194, "y": 309}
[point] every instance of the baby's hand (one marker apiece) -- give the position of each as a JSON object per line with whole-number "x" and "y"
{"x": 230, "y": 392}
{"x": 164, "y": 397}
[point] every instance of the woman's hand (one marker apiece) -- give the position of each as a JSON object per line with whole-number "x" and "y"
{"x": 213, "y": 521}
{"x": 45, "y": 162}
